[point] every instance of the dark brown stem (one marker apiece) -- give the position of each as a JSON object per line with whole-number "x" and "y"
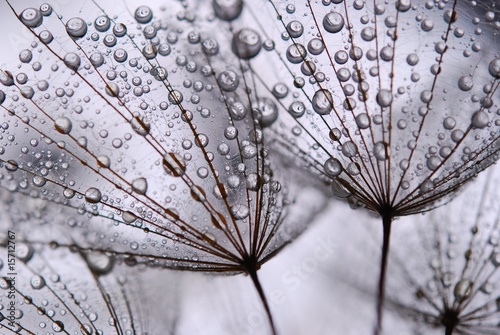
{"x": 449, "y": 329}
{"x": 258, "y": 286}
{"x": 386, "y": 222}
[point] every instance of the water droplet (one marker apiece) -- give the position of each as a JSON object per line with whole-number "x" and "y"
{"x": 349, "y": 149}
{"x": 93, "y": 195}
{"x": 174, "y": 164}
{"x": 246, "y": 43}
{"x": 295, "y": 29}
{"x": 63, "y": 125}
{"x": 76, "y": 27}
{"x": 72, "y": 60}
{"x": 268, "y": 112}
{"x": 332, "y": 167}
{"x": 384, "y": 98}
{"x": 37, "y": 282}
{"x": 128, "y": 217}
{"x": 119, "y": 30}
{"x": 140, "y": 126}
{"x": 433, "y": 162}
{"x": 296, "y": 53}
{"x": 25, "y": 56}
{"x": 403, "y": 5}
{"x": 315, "y": 46}
{"x": 227, "y": 10}
{"x": 333, "y": 22}
{"x": 462, "y": 290}
{"x": 297, "y": 109}
{"x": 480, "y": 119}
{"x": 143, "y": 14}
{"x": 465, "y": 83}
{"x": 100, "y": 263}
{"x": 494, "y": 68}
{"x": 31, "y": 17}
{"x": 280, "y": 91}
{"x": 412, "y": 59}
{"x": 228, "y": 81}
{"x": 102, "y": 23}
{"x": 380, "y": 151}
{"x": 45, "y": 9}
{"x": 239, "y": 211}
{"x": 238, "y": 110}
{"x": 427, "y": 25}
{"x": 322, "y": 102}
{"x": 140, "y": 186}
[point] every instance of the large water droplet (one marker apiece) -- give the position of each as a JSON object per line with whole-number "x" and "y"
{"x": 140, "y": 185}
{"x": 76, "y": 27}
{"x": 333, "y": 22}
{"x": 227, "y": 10}
{"x": 228, "y": 81}
{"x": 332, "y": 167}
{"x": 174, "y": 164}
{"x": 246, "y": 43}
{"x": 31, "y": 17}
{"x": 63, "y": 125}
{"x": 143, "y": 14}
{"x": 322, "y": 102}
{"x": 480, "y": 119}
{"x": 72, "y": 60}
{"x": 93, "y": 195}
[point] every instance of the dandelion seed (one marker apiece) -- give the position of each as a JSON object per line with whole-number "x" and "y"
{"x": 48, "y": 296}
{"x": 146, "y": 131}
{"x": 454, "y": 285}
{"x": 391, "y": 79}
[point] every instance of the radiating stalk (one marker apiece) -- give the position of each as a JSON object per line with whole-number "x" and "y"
{"x": 263, "y": 298}
{"x": 386, "y": 222}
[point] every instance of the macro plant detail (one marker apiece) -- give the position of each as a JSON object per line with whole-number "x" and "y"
{"x": 161, "y": 135}
{"x": 132, "y": 118}
{"x": 454, "y": 286}
{"x": 394, "y": 103}
{"x": 57, "y": 299}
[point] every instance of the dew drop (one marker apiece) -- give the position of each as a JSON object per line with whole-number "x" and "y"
{"x": 173, "y": 164}
{"x": 296, "y": 53}
{"x": 143, "y": 14}
{"x": 494, "y": 68}
{"x": 31, "y": 17}
{"x": 315, "y": 46}
{"x": 239, "y": 211}
{"x": 349, "y": 149}
{"x": 246, "y": 43}
{"x": 227, "y": 10}
{"x": 333, "y": 22}
{"x": 102, "y": 23}
{"x": 332, "y": 167}
{"x": 72, "y": 60}
{"x": 228, "y": 81}
{"x": 140, "y": 185}
{"x": 480, "y": 119}
{"x": 63, "y": 125}
{"x": 297, "y": 109}
{"x": 380, "y": 151}
{"x": 37, "y": 282}
{"x": 384, "y": 98}
{"x": 76, "y": 27}
{"x": 322, "y": 102}
{"x": 93, "y": 195}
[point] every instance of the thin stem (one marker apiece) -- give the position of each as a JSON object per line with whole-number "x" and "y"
{"x": 387, "y": 217}
{"x": 449, "y": 329}
{"x": 263, "y": 298}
